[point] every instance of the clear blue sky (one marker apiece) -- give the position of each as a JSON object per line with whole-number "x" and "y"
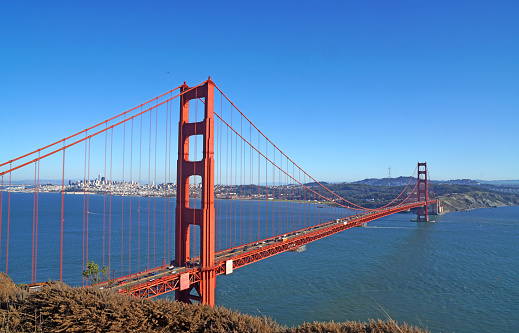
{"x": 346, "y": 89}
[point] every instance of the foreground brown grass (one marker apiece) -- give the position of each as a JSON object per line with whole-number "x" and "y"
{"x": 65, "y": 309}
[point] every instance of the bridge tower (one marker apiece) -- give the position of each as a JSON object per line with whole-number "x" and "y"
{"x": 186, "y": 216}
{"x": 422, "y": 213}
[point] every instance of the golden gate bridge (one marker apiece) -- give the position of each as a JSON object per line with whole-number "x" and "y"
{"x": 172, "y": 216}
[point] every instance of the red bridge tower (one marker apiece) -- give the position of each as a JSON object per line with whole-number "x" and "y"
{"x": 186, "y": 216}
{"x": 422, "y": 213}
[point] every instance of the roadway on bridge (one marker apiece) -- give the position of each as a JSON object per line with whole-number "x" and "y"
{"x": 166, "y": 278}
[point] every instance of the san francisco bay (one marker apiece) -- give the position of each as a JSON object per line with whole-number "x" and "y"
{"x": 458, "y": 274}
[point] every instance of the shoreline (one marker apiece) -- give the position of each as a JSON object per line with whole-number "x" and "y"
{"x": 475, "y": 208}
{"x": 452, "y": 202}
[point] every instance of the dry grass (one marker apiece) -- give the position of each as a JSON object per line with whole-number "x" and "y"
{"x": 65, "y": 309}
{"x": 373, "y": 326}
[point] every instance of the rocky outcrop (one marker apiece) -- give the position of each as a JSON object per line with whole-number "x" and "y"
{"x": 471, "y": 200}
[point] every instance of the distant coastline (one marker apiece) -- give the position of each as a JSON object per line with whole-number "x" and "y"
{"x": 453, "y": 197}
{"x": 455, "y": 202}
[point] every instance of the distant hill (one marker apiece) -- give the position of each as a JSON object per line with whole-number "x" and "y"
{"x": 499, "y": 182}
{"x": 455, "y": 195}
{"x": 315, "y": 184}
{"x": 458, "y": 182}
{"x": 399, "y": 181}
{"x": 476, "y": 199}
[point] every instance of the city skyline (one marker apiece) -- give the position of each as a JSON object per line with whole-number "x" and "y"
{"x": 362, "y": 87}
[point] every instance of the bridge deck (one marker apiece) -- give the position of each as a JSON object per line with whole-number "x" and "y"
{"x": 162, "y": 279}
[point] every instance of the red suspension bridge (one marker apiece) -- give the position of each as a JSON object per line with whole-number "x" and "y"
{"x": 237, "y": 199}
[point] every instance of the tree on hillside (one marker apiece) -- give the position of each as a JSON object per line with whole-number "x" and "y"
{"x": 94, "y": 274}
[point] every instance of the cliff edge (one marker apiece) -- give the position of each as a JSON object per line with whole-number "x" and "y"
{"x": 453, "y": 202}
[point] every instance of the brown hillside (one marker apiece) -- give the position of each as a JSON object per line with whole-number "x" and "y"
{"x": 65, "y": 309}
{"x": 476, "y": 199}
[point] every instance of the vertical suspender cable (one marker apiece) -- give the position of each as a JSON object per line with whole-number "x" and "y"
{"x": 219, "y": 221}
{"x": 88, "y": 202}
{"x": 251, "y": 184}
{"x": 315, "y": 206}
{"x": 169, "y": 179}
{"x": 280, "y": 210}
{"x": 242, "y": 178}
{"x": 110, "y": 203}
{"x": 166, "y": 187}
{"x": 33, "y": 224}
{"x": 233, "y": 243}
{"x": 289, "y": 201}
{"x": 295, "y": 219}
{"x": 122, "y": 202}
{"x": 154, "y": 196}
{"x": 266, "y": 190}
{"x": 62, "y": 208}
{"x": 149, "y": 187}
{"x": 195, "y": 157}
{"x": 299, "y": 198}
{"x": 9, "y": 221}
{"x": 104, "y": 197}
{"x": 274, "y": 188}
{"x": 259, "y": 189}
{"x": 237, "y": 196}
{"x": 130, "y": 216}
{"x": 219, "y": 163}
{"x": 236, "y": 175}
{"x": 228, "y": 205}
{"x": 305, "y": 202}
{"x": 170, "y": 156}
{"x": 139, "y": 210}
{"x": 84, "y": 205}
{"x": 37, "y": 220}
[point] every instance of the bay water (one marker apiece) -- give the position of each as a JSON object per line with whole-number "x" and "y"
{"x": 458, "y": 274}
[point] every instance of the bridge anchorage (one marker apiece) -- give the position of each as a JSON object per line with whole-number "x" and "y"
{"x": 252, "y": 202}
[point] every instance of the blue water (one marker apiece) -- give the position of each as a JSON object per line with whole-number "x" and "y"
{"x": 141, "y": 238}
{"x": 457, "y": 274}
